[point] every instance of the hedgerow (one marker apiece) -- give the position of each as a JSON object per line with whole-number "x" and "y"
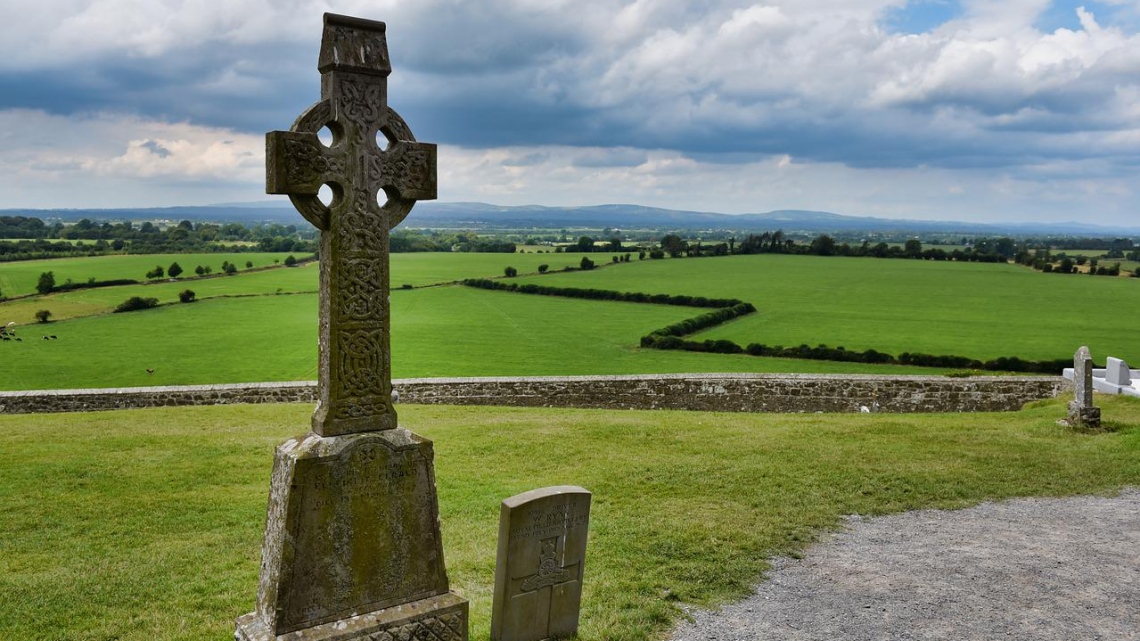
{"x": 672, "y": 336}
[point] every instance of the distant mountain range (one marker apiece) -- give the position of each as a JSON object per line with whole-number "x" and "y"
{"x": 482, "y": 215}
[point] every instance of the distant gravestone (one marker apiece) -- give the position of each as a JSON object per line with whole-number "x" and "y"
{"x": 1082, "y": 413}
{"x": 352, "y": 547}
{"x": 540, "y": 564}
{"x": 1117, "y": 372}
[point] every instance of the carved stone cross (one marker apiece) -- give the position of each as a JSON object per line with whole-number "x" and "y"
{"x": 376, "y": 171}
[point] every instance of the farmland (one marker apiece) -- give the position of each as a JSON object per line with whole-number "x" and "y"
{"x": 260, "y": 325}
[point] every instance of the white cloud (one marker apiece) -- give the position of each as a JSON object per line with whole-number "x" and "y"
{"x": 113, "y": 160}
{"x": 707, "y": 103}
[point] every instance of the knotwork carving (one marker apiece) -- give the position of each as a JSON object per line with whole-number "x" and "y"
{"x": 363, "y": 104}
{"x": 361, "y": 362}
{"x": 361, "y": 287}
{"x": 441, "y": 628}
{"x": 362, "y": 227}
{"x": 354, "y": 373}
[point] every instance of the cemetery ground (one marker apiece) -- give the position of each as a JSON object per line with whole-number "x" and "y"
{"x": 147, "y": 524}
{"x": 260, "y": 325}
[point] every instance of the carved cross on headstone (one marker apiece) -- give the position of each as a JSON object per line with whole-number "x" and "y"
{"x": 375, "y": 171}
{"x": 549, "y": 575}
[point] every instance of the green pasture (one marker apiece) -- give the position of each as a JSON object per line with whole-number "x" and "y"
{"x": 248, "y": 327}
{"x": 20, "y": 278}
{"x": 439, "y": 331}
{"x": 146, "y": 524}
{"x": 416, "y": 269}
{"x": 102, "y": 300}
{"x": 429, "y": 268}
{"x": 977, "y": 310}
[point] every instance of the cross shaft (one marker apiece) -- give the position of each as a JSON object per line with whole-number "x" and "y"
{"x": 373, "y": 159}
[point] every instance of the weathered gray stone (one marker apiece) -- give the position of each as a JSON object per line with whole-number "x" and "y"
{"x": 743, "y": 393}
{"x": 352, "y": 528}
{"x": 352, "y": 547}
{"x": 354, "y": 372}
{"x": 1082, "y": 413}
{"x": 540, "y": 564}
{"x": 1117, "y": 372}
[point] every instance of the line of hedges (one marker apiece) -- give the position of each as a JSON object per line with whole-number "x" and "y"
{"x": 672, "y": 336}
{"x": 91, "y": 284}
{"x": 604, "y": 294}
{"x": 697, "y": 323}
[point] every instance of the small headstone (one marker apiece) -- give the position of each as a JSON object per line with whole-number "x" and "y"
{"x": 1117, "y": 372}
{"x": 352, "y": 547}
{"x": 540, "y": 564}
{"x": 1081, "y": 410}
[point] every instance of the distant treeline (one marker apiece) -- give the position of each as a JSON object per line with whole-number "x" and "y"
{"x": 424, "y": 240}
{"x": 727, "y": 309}
{"x": 31, "y": 238}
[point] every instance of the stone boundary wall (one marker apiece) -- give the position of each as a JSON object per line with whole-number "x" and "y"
{"x": 704, "y": 392}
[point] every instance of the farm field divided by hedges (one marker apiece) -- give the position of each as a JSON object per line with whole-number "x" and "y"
{"x": 889, "y": 305}
{"x": 970, "y": 309}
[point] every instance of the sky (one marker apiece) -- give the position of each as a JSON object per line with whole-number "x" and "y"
{"x": 970, "y": 110}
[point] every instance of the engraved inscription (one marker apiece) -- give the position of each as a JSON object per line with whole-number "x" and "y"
{"x": 368, "y": 522}
{"x": 560, "y": 518}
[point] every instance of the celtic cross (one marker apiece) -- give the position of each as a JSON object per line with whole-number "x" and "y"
{"x": 376, "y": 171}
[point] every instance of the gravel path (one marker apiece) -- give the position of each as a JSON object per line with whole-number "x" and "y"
{"x": 1039, "y": 569}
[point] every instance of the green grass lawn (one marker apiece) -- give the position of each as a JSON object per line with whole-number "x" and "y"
{"x": 146, "y": 524}
{"x": 977, "y": 310}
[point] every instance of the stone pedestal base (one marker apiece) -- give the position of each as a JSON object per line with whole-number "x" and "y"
{"x": 437, "y": 618}
{"x": 1082, "y": 416}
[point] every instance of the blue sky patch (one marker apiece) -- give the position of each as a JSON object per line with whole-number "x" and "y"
{"x": 922, "y": 16}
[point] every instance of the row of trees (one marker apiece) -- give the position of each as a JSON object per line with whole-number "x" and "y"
{"x": 33, "y": 239}
{"x": 1043, "y": 261}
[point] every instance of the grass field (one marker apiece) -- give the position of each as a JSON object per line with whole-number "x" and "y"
{"x": 20, "y": 278}
{"x": 146, "y": 524}
{"x": 443, "y": 331}
{"x": 970, "y": 309}
{"x": 241, "y": 330}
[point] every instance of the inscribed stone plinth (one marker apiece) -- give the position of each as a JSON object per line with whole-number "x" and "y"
{"x": 352, "y": 547}
{"x": 540, "y": 564}
{"x": 1082, "y": 413}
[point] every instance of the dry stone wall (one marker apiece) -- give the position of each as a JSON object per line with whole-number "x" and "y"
{"x": 705, "y": 392}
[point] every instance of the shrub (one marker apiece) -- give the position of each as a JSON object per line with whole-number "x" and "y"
{"x": 174, "y": 270}
{"x": 290, "y": 261}
{"x": 510, "y": 272}
{"x": 586, "y": 263}
{"x": 43, "y": 315}
{"x": 186, "y": 296}
{"x": 135, "y": 303}
{"x": 229, "y": 268}
{"x": 157, "y": 272}
{"x": 46, "y": 282}
{"x": 249, "y": 264}
{"x": 199, "y": 270}
{"x": 542, "y": 268}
